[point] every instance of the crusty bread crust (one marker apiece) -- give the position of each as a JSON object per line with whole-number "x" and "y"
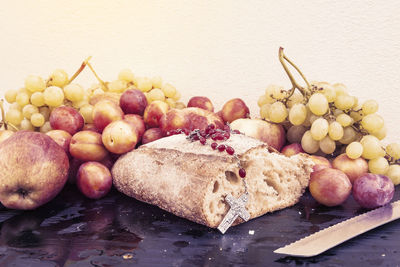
{"x": 191, "y": 180}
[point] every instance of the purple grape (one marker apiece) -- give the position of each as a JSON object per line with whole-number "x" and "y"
{"x": 373, "y": 190}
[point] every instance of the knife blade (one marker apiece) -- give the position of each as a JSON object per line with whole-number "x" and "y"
{"x": 327, "y": 238}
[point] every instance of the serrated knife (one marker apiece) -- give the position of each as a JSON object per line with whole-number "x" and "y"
{"x": 327, "y": 238}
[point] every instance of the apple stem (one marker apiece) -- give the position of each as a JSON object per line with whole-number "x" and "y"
{"x": 282, "y": 59}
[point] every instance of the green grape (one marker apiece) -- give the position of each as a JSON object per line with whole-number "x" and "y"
{"x": 354, "y": 150}
{"x": 328, "y": 91}
{"x": 308, "y": 143}
{"x": 59, "y": 78}
{"x": 393, "y": 150}
{"x": 169, "y": 91}
{"x": 381, "y": 133}
{"x": 14, "y": 116}
{"x": 37, "y": 120}
{"x": 335, "y": 131}
{"x": 53, "y": 96}
{"x": 117, "y": 86}
{"x": 176, "y": 96}
{"x": 327, "y": 145}
{"x": 144, "y": 84}
{"x": 369, "y": 107}
{"x": 340, "y": 89}
{"x": 171, "y": 103}
{"x": 318, "y": 104}
{"x": 156, "y": 94}
{"x": 275, "y": 92}
{"x": 394, "y": 174}
{"x": 156, "y": 81}
{"x": 37, "y": 99}
{"x": 319, "y": 129}
{"x": 28, "y": 110}
{"x": 295, "y": 133}
{"x": 344, "y": 102}
{"x": 344, "y": 120}
{"x": 79, "y": 104}
{"x": 262, "y": 100}
{"x": 15, "y": 106}
{"x": 349, "y": 135}
{"x": 372, "y": 148}
{"x": 378, "y": 165}
{"x": 297, "y": 114}
{"x": 372, "y": 122}
{"x": 74, "y": 92}
{"x": 26, "y": 125}
{"x": 45, "y": 127}
{"x": 87, "y": 113}
{"x": 35, "y": 83}
{"x": 45, "y": 111}
{"x": 22, "y": 99}
{"x": 11, "y": 95}
{"x": 337, "y": 112}
{"x": 277, "y": 112}
{"x": 264, "y": 111}
{"x": 296, "y": 98}
{"x": 356, "y": 115}
{"x": 126, "y": 75}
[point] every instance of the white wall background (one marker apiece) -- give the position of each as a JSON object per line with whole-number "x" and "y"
{"x": 221, "y": 49}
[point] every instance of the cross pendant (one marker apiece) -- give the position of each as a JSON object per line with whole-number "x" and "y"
{"x": 238, "y": 209}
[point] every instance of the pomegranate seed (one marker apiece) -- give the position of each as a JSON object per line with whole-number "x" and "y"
{"x": 227, "y": 128}
{"x": 221, "y": 148}
{"x": 214, "y": 137}
{"x": 230, "y": 150}
{"x": 212, "y": 131}
{"x": 214, "y": 145}
{"x": 220, "y": 136}
{"x": 242, "y": 172}
{"x": 211, "y": 126}
{"x": 236, "y": 132}
{"x": 202, "y": 140}
{"x": 227, "y": 135}
{"x": 186, "y": 131}
{"x": 202, "y": 133}
{"x": 195, "y": 137}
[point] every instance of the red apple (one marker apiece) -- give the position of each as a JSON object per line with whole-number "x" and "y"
{"x": 271, "y": 133}
{"x": 320, "y": 163}
{"x": 136, "y": 121}
{"x": 353, "y": 168}
{"x": 330, "y": 187}
{"x": 133, "y": 101}
{"x": 105, "y": 112}
{"x": 94, "y": 180}
{"x": 189, "y": 119}
{"x": 153, "y": 113}
{"x": 292, "y": 149}
{"x": 201, "y": 102}
{"x": 87, "y": 146}
{"x": 67, "y": 119}
{"x": 235, "y": 109}
{"x": 151, "y": 135}
{"x": 119, "y": 137}
{"x": 62, "y": 138}
{"x": 34, "y": 169}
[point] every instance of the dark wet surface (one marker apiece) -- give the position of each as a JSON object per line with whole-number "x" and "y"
{"x": 120, "y": 231}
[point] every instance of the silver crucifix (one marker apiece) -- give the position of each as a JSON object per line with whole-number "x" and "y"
{"x": 238, "y": 209}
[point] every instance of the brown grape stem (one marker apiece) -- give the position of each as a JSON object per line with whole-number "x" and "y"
{"x": 97, "y": 76}
{"x": 283, "y": 59}
{"x": 81, "y": 68}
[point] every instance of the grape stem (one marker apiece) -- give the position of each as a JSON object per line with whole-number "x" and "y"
{"x": 97, "y": 76}
{"x": 282, "y": 59}
{"x": 81, "y": 68}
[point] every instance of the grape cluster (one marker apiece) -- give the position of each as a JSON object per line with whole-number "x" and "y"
{"x": 30, "y": 106}
{"x": 325, "y": 119}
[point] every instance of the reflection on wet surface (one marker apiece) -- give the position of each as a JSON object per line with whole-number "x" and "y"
{"x": 120, "y": 231}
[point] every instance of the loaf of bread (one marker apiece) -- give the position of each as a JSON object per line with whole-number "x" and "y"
{"x": 191, "y": 180}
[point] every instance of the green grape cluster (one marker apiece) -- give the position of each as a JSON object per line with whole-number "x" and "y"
{"x": 31, "y": 105}
{"x": 325, "y": 119}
